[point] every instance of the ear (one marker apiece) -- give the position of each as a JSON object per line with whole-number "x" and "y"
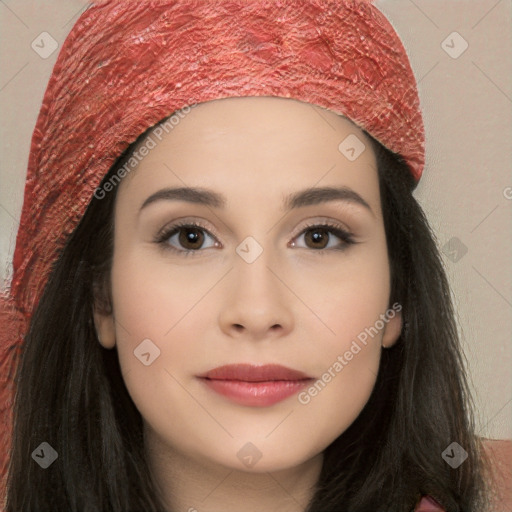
{"x": 105, "y": 329}
{"x": 392, "y": 330}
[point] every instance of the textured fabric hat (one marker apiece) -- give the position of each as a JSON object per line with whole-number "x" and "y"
{"x": 126, "y": 65}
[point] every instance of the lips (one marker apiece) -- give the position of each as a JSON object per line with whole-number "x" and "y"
{"x": 255, "y": 386}
{"x": 254, "y": 373}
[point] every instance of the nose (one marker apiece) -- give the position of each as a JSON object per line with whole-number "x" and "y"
{"x": 257, "y": 304}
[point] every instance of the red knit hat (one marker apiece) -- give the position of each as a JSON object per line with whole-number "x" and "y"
{"x": 128, "y": 64}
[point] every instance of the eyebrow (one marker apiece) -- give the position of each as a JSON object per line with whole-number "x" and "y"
{"x": 300, "y": 199}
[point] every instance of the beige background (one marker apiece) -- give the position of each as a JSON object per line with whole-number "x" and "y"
{"x": 466, "y": 189}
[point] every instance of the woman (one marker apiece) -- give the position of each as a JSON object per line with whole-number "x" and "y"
{"x": 301, "y": 352}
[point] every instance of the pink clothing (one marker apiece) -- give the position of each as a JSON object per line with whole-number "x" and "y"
{"x": 428, "y": 504}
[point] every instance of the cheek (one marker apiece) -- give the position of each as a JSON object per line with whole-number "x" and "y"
{"x": 154, "y": 295}
{"x": 156, "y": 301}
{"x": 167, "y": 303}
{"x": 348, "y": 297}
{"x": 347, "y": 363}
{"x": 332, "y": 403}
{"x": 350, "y": 303}
{"x": 158, "y": 309}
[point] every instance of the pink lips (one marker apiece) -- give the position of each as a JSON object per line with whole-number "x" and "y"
{"x": 256, "y": 386}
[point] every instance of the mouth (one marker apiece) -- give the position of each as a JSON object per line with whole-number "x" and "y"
{"x": 253, "y": 385}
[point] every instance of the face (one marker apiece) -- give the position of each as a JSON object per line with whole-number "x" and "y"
{"x": 255, "y": 268}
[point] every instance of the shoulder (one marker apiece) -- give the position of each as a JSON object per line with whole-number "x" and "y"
{"x": 499, "y": 470}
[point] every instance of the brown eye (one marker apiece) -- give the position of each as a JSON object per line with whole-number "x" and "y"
{"x": 318, "y": 237}
{"x": 191, "y": 237}
{"x": 186, "y": 239}
{"x": 323, "y": 236}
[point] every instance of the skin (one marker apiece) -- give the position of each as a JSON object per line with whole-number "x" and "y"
{"x": 299, "y": 306}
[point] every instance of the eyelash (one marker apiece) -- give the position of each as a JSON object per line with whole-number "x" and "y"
{"x": 164, "y": 234}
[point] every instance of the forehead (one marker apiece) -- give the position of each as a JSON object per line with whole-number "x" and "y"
{"x": 252, "y": 119}
{"x": 257, "y": 145}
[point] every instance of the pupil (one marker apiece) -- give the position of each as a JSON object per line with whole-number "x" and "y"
{"x": 191, "y": 236}
{"x": 318, "y": 236}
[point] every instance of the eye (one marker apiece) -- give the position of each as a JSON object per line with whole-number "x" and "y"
{"x": 320, "y": 236}
{"x": 189, "y": 235}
